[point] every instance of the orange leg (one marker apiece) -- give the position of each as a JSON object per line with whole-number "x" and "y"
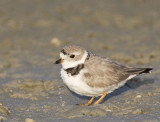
{"x": 89, "y": 102}
{"x": 99, "y": 100}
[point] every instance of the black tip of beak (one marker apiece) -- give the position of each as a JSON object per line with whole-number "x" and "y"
{"x": 58, "y": 61}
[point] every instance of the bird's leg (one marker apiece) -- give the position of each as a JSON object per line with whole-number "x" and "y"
{"x": 89, "y": 102}
{"x": 99, "y": 100}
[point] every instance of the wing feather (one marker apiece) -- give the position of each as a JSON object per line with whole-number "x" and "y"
{"x": 103, "y": 72}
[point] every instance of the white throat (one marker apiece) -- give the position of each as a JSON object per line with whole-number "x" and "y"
{"x": 67, "y": 64}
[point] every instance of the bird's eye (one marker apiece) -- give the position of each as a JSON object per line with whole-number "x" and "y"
{"x": 72, "y": 56}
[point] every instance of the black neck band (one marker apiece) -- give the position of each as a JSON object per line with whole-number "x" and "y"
{"x": 75, "y": 70}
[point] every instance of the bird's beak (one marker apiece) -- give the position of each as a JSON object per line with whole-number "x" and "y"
{"x": 59, "y": 61}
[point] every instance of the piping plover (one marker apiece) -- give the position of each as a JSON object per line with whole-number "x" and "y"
{"x": 90, "y": 75}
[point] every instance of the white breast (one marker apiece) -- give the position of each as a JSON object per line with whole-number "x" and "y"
{"x": 77, "y": 85}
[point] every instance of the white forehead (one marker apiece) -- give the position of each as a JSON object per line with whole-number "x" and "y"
{"x": 62, "y": 55}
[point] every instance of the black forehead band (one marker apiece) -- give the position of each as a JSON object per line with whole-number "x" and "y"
{"x": 63, "y": 51}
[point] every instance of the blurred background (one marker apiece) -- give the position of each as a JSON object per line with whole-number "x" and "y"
{"x": 32, "y": 32}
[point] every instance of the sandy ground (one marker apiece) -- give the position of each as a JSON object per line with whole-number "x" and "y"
{"x": 32, "y": 32}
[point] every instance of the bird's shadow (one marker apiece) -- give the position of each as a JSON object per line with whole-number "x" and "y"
{"x": 131, "y": 84}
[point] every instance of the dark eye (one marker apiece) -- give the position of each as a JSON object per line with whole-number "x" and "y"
{"x": 72, "y": 56}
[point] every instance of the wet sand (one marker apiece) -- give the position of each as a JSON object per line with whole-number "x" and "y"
{"x": 32, "y": 33}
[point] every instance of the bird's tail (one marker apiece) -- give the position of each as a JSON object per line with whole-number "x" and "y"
{"x": 139, "y": 70}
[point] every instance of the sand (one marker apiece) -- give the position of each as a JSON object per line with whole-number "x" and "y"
{"x": 32, "y": 33}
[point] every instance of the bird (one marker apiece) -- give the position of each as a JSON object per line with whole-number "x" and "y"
{"x": 87, "y": 74}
